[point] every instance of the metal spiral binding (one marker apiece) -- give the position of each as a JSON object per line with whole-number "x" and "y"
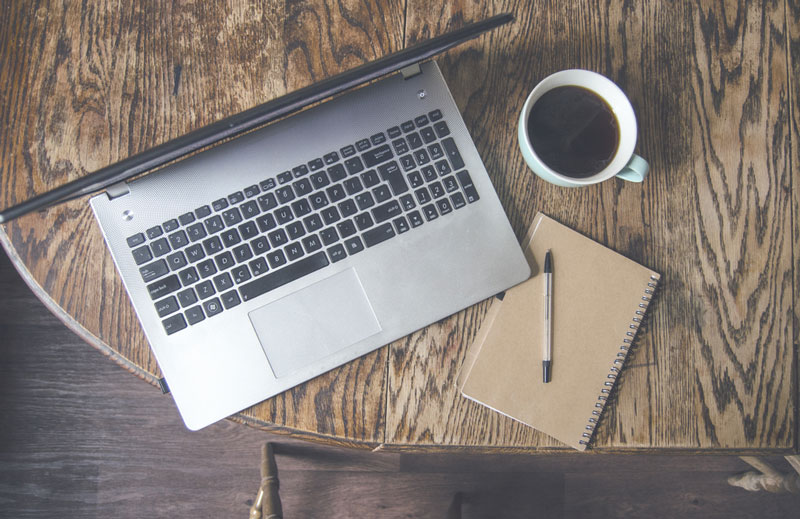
{"x": 624, "y": 348}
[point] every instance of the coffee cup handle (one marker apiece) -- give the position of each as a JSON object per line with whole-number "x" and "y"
{"x": 636, "y": 169}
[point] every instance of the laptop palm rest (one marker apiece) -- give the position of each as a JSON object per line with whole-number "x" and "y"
{"x": 315, "y": 322}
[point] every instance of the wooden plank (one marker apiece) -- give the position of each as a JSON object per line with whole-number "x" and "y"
{"x": 793, "y": 46}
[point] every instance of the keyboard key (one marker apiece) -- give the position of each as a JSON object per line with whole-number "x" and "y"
{"x": 316, "y": 164}
{"x": 224, "y": 260}
{"x": 214, "y": 224}
{"x": 370, "y": 178}
{"x": 178, "y": 240}
{"x": 414, "y": 140}
{"x": 330, "y": 215}
{"x": 284, "y": 194}
{"x": 267, "y": 184}
{"x": 423, "y": 196}
{"x": 429, "y": 173}
{"x": 250, "y": 192}
{"x": 278, "y": 238}
{"x": 206, "y": 268}
{"x": 401, "y": 225}
{"x": 276, "y": 258}
{"x": 420, "y": 121}
{"x": 363, "y": 221}
{"x": 335, "y": 192}
{"x": 313, "y": 223}
{"x": 154, "y": 232}
{"x": 391, "y": 173}
{"x": 235, "y": 198}
{"x": 189, "y": 276}
{"x": 354, "y": 245}
{"x": 260, "y": 245}
{"x": 441, "y": 129}
{"x": 430, "y": 212}
{"x": 205, "y": 289}
{"x": 353, "y": 185}
{"x": 354, "y": 165}
{"x": 436, "y": 151}
{"x": 248, "y": 230}
{"x": 242, "y": 253}
{"x": 266, "y": 222}
{"x": 186, "y": 218}
{"x": 174, "y": 324}
{"x": 212, "y": 245}
{"x": 196, "y": 232}
{"x": 302, "y": 187}
{"x": 436, "y": 189}
{"x": 337, "y": 173}
{"x": 444, "y": 206}
{"x": 382, "y": 193}
{"x": 364, "y": 200}
{"x": 422, "y": 157}
{"x": 283, "y": 276}
{"x": 294, "y": 251}
{"x": 450, "y": 184}
{"x": 407, "y": 126}
{"x": 378, "y": 138}
{"x": 378, "y": 235}
{"x": 331, "y": 157}
{"x": 223, "y": 282}
{"x": 407, "y": 201}
{"x": 466, "y": 184}
{"x": 284, "y": 177}
{"x": 318, "y": 200}
{"x": 258, "y": 266}
{"x": 415, "y": 218}
{"x": 153, "y": 270}
{"x": 202, "y": 211}
{"x": 337, "y": 253}
{"x": 267, "y": 201}
{"x": 346, "y": 228}
{"x": 347, "y": 208}
{"x": 347, "y": 151}
{"x": 249, "y": 209}
{"x": 160, "y": 247}
{"x": 230, "y": 237}
{"x": 311, "y": 243}
{"x": 241, "y": 274}
{"x": 170, "y": 225}
{"x": 415, "y": 179}
{"x": 220, "y": 204}
{"x": 394, "y": 132}
{"x": 142, "y": 255}
{"x": 136, "y": 239}
{"x": 212, "y": 307}
{"x": 320, "y": 180}
{"x": 400, "y": 146}
{"x": 435, "y": 115}
{"x": 163, "y": 287}
{"x": 194, "y": 314}
{"x": 176, "y": 260}
{"x": 299, "y": 171}
{"x": 386, "y": 211}
{"x": 232, "y": 216}
{"x": 301, "y": 207}
{"x": 329, "y": 235}
{"x": 167, "y": 306}
{"x": 378, "y": 155}
{"x": 230, "y": 299}
{"x": 452, "y": 153}
{"x": 427, "y": 134}
{"x": 363, "y": 145}
{"x": 458, "y": 200}
{"x": 187, "y": 297}
{"x": 295, "y": 230}
{"x": 443, "y": 168}
{"x": 283, "y": 215}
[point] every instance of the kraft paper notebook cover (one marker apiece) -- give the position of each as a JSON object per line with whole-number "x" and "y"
{"x": 599, "y": 300}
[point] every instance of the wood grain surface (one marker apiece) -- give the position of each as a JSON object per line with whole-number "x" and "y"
{"x": 715, "y": 91}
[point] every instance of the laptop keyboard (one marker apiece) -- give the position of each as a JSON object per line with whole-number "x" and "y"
{"x": 237, "y": 248}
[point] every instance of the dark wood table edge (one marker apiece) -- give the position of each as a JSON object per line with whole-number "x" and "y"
{"x": 65, "y": 318}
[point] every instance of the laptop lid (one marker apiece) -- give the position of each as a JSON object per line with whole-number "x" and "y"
{"x": 250, "y": 119}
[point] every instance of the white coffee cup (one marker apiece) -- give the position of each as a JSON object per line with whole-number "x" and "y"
{"x": 624, "y": 164}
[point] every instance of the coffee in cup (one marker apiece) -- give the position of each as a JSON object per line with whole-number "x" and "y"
{"x": 578, "y": 128}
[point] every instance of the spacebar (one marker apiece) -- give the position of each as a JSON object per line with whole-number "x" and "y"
{"x": 285, "y": 275}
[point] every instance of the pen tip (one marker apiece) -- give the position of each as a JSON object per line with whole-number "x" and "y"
{"x": 548, "y": 262}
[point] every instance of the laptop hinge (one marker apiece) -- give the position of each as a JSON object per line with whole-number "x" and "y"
{"x": 117, "y": 190}
{"x": 411, "y": 71}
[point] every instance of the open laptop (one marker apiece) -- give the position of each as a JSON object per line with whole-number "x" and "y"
{"x": 270, "y": 259}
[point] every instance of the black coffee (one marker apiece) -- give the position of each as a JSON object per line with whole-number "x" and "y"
{"x": 573, "y": 131}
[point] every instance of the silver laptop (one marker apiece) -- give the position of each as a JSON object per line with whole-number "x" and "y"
{"x": 268, "y": 260}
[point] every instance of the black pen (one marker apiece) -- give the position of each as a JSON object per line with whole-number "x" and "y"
{"x": 548, "y": 316}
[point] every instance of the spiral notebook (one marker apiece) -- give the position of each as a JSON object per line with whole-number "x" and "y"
{"x": 599, "y": 300}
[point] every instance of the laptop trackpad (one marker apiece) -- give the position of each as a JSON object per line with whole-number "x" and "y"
{"x": 306, "y": 326}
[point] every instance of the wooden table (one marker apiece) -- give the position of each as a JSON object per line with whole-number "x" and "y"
{"x": 85, "y": 84}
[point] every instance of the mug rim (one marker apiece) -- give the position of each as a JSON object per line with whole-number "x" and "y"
{"x": 621, "y": 107}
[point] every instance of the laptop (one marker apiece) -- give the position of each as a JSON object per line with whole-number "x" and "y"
{"x": 265, "y": 261}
